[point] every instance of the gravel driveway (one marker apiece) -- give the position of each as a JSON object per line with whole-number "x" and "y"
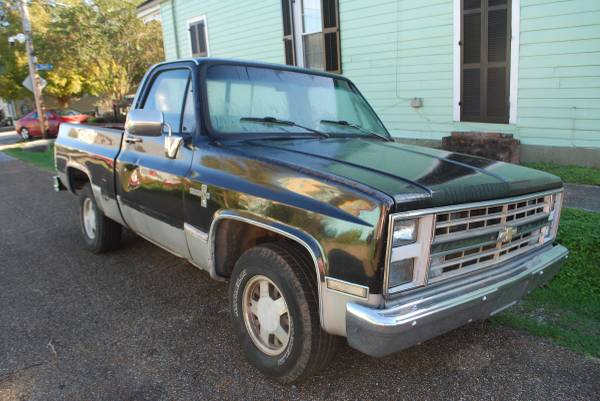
{"x": 140, "y": 324}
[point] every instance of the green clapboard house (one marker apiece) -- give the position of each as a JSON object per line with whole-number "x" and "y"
{"x": 429, "y": 67}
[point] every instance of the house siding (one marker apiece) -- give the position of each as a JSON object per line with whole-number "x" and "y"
{"x": 236, "y": 29}
{"x": 397, "y": 50}
{"x": 559, "y": 70}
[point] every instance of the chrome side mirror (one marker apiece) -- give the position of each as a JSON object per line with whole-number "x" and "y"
{"x": 152, "y": 123}
{"x": 145, "y": 122}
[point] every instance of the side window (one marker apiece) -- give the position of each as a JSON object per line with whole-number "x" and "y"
{"x": 188, "y": 124}
{"x": 34, "y": 115}
{"x": 167, "y": 94}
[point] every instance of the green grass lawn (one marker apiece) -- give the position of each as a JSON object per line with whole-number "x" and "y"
{"x": 571, "y": 174}
{"x": 44, "y": 159}
{"x": 568, "y": 309}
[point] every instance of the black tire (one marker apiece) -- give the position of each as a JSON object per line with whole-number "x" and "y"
{"x": 309, "y": 348}
{"x": 107, "y": 232}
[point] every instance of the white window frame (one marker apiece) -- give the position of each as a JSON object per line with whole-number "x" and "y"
{"x": 298, "y": 31}
{"x": 189, "y": 24}
{"x": 515, "y": 19}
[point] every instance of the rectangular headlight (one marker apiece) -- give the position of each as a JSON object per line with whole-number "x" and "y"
{"x": 407, "y": 252}
{"x": 555, "y": 208}
{"x": 401, "y": 272}
{"x": 404, "y": 233}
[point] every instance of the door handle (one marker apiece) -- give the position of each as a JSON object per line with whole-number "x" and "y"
{"x": 132, "y": 139}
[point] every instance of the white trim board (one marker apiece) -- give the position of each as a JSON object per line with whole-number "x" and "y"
{"x": 190, "y": 22}
{"x": 515, "y": 20}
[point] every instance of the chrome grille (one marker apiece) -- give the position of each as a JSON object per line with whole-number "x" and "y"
{"x": 472, "y": 238}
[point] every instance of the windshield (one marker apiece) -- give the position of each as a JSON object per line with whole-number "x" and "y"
{"x": 245, "y": 99}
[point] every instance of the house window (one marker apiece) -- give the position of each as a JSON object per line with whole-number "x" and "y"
{"x": 485, "y": 60}
{"x": 311, "y": 34}
{"x": 198, "y": 37}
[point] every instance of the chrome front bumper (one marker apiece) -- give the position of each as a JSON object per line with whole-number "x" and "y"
{"x": 416, "y": 318}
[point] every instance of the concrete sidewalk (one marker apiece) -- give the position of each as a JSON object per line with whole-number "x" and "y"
{"x": 10, "y": 140}
{"x": 9, "y": 137}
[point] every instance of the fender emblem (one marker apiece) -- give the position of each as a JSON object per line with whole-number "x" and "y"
{"x": 202, "y": 193}
{"x": 507, "y": 234}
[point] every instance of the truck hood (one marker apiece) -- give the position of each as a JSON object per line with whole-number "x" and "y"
{"x": 414, "y": 177}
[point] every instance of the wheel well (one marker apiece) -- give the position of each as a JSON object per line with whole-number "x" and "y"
{"x": 77, "y": 179}
{"x": 234, "y": 237}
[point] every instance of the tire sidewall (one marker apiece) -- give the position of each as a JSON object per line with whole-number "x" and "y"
{"x": 285, "y": 362}
{"x": 92, "y": 243}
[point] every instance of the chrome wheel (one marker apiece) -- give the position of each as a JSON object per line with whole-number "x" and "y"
{"x": 89, "y": 218}
{"x": 25, "y": 133}
{"x": 266, "y": 315}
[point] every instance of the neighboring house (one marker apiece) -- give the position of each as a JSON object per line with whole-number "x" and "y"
{"x": 9, "y": 110}
{"x": 428, "y": 67}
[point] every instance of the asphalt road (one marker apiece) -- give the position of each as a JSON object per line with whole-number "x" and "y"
{"x": 140, "y": 324}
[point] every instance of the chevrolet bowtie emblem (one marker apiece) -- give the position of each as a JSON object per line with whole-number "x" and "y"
{"x": 202, "y": 193}
{"x": 507, "y": 234}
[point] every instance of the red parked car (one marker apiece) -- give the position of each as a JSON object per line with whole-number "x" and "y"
{"x": 28, "y": 126}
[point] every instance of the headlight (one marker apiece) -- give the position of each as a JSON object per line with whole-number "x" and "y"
{"x": 405, "y": 232}
{"x": 554, "y": 218}
{"x": 401, "y": 272}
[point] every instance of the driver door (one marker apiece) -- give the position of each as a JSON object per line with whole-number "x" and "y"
{"x": 150, "y": 185}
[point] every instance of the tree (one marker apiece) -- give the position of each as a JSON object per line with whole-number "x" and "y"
{"x": 113, "y": 48}
{"x": 13, "y": 61}
{"x": 97, "y": 47}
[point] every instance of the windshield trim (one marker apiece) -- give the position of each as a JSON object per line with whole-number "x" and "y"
{"x": 216, "y": 134}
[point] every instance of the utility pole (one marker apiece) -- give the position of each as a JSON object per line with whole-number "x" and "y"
{"x": 35, "y": 79}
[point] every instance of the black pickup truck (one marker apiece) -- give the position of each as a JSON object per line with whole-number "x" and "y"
{"x": 284, "y": 182}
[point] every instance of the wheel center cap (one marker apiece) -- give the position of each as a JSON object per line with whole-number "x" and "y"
{"x": 267, "y": 315}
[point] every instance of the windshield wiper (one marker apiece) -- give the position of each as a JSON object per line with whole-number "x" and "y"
{"x": 358, "y": 127}
{"x": 273, "y": 120}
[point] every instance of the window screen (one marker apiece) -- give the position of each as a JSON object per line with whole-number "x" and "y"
{"x": 485, "y": 60}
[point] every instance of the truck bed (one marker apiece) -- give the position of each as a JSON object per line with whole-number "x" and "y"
{"x": 90, "y": 150}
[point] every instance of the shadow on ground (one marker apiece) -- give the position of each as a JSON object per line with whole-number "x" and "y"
{"x": 140, "y": 324}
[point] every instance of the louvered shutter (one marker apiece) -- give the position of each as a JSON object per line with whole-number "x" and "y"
{"x": 288, "y": 32}
{"x": 198, "y": 39}
{"x": 331, "y": 36}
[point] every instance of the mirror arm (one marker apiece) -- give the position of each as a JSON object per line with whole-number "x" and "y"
{"x": 169, "y": 129}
